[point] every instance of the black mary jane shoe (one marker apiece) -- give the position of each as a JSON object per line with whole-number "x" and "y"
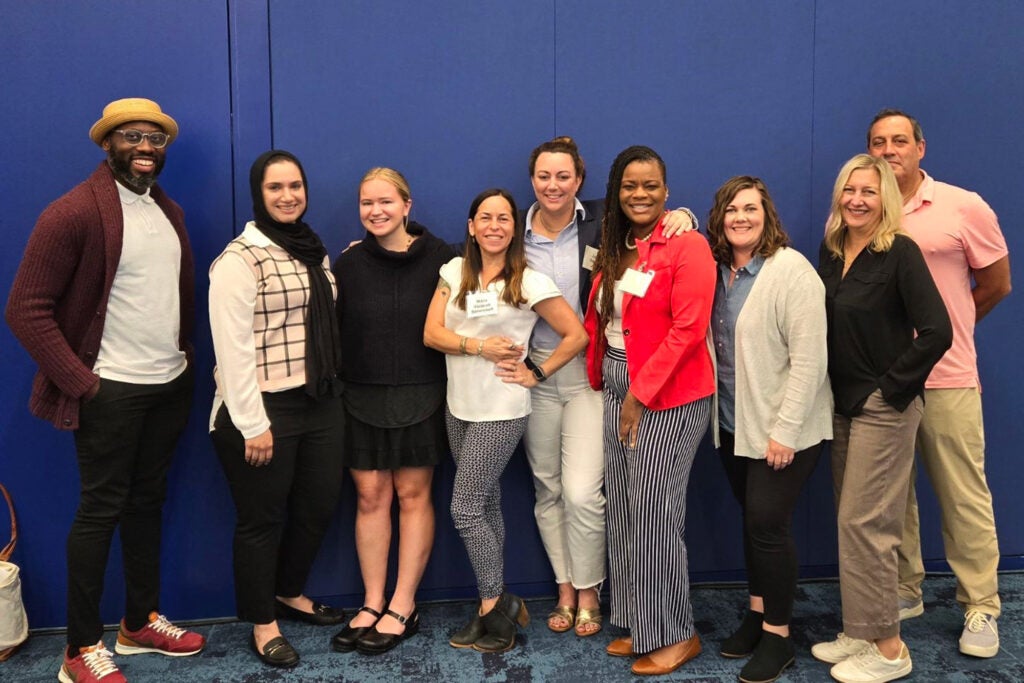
{"x": 322, "y": 615}
{"x": 376, "y": 643}
{"x": 345, "y": 639}
{"x": 277, "y": 652}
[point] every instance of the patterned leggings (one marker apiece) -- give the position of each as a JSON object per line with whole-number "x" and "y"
{"x": 481, "y": 451}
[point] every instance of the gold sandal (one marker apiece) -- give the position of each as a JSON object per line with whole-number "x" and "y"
{"x": 586, "y": 616}
{"x": 568, "y": 614}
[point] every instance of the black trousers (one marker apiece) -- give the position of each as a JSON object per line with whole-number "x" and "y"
{"x": 125, "y": 442}
{"x": 283, "y": 509}
{"x": 768, "y": 498}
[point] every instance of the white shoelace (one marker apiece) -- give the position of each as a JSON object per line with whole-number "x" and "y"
{"x": 162, "y": 625}
{"x": 976, "y": 621}
{"x": 100, "y": 661}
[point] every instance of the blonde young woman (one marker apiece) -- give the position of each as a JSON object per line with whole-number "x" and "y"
{"x": 563, "y": 439}
{"x": 481, "y": 316}
{"x": 394, "y": 402}
{"x": 887, "y": 327}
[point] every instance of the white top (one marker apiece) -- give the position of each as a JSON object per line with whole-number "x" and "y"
{"x": 475, "y": 394}
{"x": 143, "y": 323}
{"x": 613, "y": 330}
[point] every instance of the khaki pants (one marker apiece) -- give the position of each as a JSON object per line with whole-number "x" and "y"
{"x": 872, "y": 457}
{"x": 951, "y": 441}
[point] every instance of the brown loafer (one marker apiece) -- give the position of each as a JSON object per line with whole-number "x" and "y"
{"x": 645, "y": 666}
{"x": 620, "y": 647}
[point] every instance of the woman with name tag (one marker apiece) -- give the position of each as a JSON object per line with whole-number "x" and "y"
{"x": 394, "y": 403}
{"x": 887, "y": 327}
{"x": 774, "y": 404}
{"x": 482, "y": 313}
{"x": 563, "y": 440}
{"x": 648, "y": 321}
{"x": 278, "y": 418}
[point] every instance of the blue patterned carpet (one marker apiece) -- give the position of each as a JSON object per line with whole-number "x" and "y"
{"x": 545, "y": 656}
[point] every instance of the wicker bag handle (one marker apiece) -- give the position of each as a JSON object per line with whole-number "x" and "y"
{"x": 8, "y": 550}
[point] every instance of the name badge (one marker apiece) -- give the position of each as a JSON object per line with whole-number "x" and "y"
{"x": 589, "y": 256}
{"x": 480, "y": 304}
{"x": 636, "y": 282}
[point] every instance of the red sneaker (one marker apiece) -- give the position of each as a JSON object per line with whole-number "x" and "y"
{"x": 160, "y": 636}
{"x": 91, "y": 665}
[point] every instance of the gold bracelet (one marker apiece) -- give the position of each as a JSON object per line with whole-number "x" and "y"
{"x": 462, "y": 345}
{"x": 480, "y": 348}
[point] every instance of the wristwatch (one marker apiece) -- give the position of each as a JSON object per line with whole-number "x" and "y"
{"x": 535, "y": 369}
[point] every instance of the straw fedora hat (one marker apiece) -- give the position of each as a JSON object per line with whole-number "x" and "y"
{"x": 123, "y": 111}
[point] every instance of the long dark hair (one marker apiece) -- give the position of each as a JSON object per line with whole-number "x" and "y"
{"x": 515, "y": 257}
{"x": 616, "y": 227}
{"x": 773, "y": 236}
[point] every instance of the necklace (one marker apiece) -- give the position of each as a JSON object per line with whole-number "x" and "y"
{"x": 635, "y": 240}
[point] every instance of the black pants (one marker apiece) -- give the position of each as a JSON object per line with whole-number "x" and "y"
{"x": 283, "y": 509}
{"x": 125, "y": 442}
{"x": 768, "y": 498}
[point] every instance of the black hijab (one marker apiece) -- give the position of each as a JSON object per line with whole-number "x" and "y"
{"x": 323, "y": 344}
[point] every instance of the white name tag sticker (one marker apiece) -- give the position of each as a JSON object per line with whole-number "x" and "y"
{"x": 480, "y": 304}
{"x": 636, "y": 282}
{"x": 589, "y": 256}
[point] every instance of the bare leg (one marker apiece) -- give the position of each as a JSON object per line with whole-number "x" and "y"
{"x": 415, "y": 539}
{"x": 373, "y": 537}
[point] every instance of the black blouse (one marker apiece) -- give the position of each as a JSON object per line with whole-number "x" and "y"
{"x": 873, "y": 313}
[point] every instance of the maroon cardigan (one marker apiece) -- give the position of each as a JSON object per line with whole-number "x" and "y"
{"x": 58, "y": 302}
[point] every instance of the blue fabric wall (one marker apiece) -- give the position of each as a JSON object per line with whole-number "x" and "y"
{"x": 456, "y": 95}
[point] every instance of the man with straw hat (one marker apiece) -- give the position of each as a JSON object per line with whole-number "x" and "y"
{"x": 103, "y": 301}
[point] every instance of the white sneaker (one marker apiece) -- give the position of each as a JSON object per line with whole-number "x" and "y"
{"x": 839, "y": 649}
{"x": 871, "y": 666}
{"x": 980, "y": 637}
{"x": 911, "y": 608}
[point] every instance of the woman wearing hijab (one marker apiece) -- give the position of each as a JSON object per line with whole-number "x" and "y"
{"x": 278, "y": 419}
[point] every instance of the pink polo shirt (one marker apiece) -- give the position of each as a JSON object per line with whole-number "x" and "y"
{"x": 957, "y": 233}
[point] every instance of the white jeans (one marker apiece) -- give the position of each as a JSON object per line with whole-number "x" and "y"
{"x": 564, "y": 446}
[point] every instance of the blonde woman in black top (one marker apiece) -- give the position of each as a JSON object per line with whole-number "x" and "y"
{"x": 887, "y": 327}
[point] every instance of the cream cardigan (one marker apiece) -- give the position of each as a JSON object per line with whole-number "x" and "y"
{"x": 782, "y": 387}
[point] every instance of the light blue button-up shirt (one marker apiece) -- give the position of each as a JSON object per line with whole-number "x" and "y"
{"x": 559, "y": 259}
{"x": 728, "y": 304}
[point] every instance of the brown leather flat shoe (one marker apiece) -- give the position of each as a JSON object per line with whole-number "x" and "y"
{"x": 620, "y": 647}
{"x": 645, "y": 666}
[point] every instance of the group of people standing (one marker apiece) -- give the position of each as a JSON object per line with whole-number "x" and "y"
{"x": 542, "y": 326}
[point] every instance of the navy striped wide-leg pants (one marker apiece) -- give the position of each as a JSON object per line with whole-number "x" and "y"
{"x": 646, "y": 490}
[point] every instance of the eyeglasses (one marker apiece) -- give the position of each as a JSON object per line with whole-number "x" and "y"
{"x": 135, "y": 137}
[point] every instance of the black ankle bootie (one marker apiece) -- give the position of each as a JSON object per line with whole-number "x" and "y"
{"x": 500, "y": 624}
{"x": 745, "y": 638}
{"x": 771, "y": 657}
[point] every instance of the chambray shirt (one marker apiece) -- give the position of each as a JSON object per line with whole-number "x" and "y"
{"x": 559, "y": 260}
{"x": 728, "y": 304}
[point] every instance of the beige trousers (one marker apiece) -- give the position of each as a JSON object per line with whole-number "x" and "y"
{"x": 872, "y": 457}
{"x": 951, "y": 441}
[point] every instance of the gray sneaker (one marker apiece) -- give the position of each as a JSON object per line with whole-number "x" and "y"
{"x": 839, "y": 649}
{"x": 911, "y": 608}
{"x": 980, "y": 637}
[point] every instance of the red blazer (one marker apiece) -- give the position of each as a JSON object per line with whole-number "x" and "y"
{"x": 665, "y": 331}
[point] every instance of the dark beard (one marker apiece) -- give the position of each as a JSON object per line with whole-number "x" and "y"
{"x": 123, "y": 173}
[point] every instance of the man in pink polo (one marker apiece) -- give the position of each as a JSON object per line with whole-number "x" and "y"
{"x": 966, "y": 253}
